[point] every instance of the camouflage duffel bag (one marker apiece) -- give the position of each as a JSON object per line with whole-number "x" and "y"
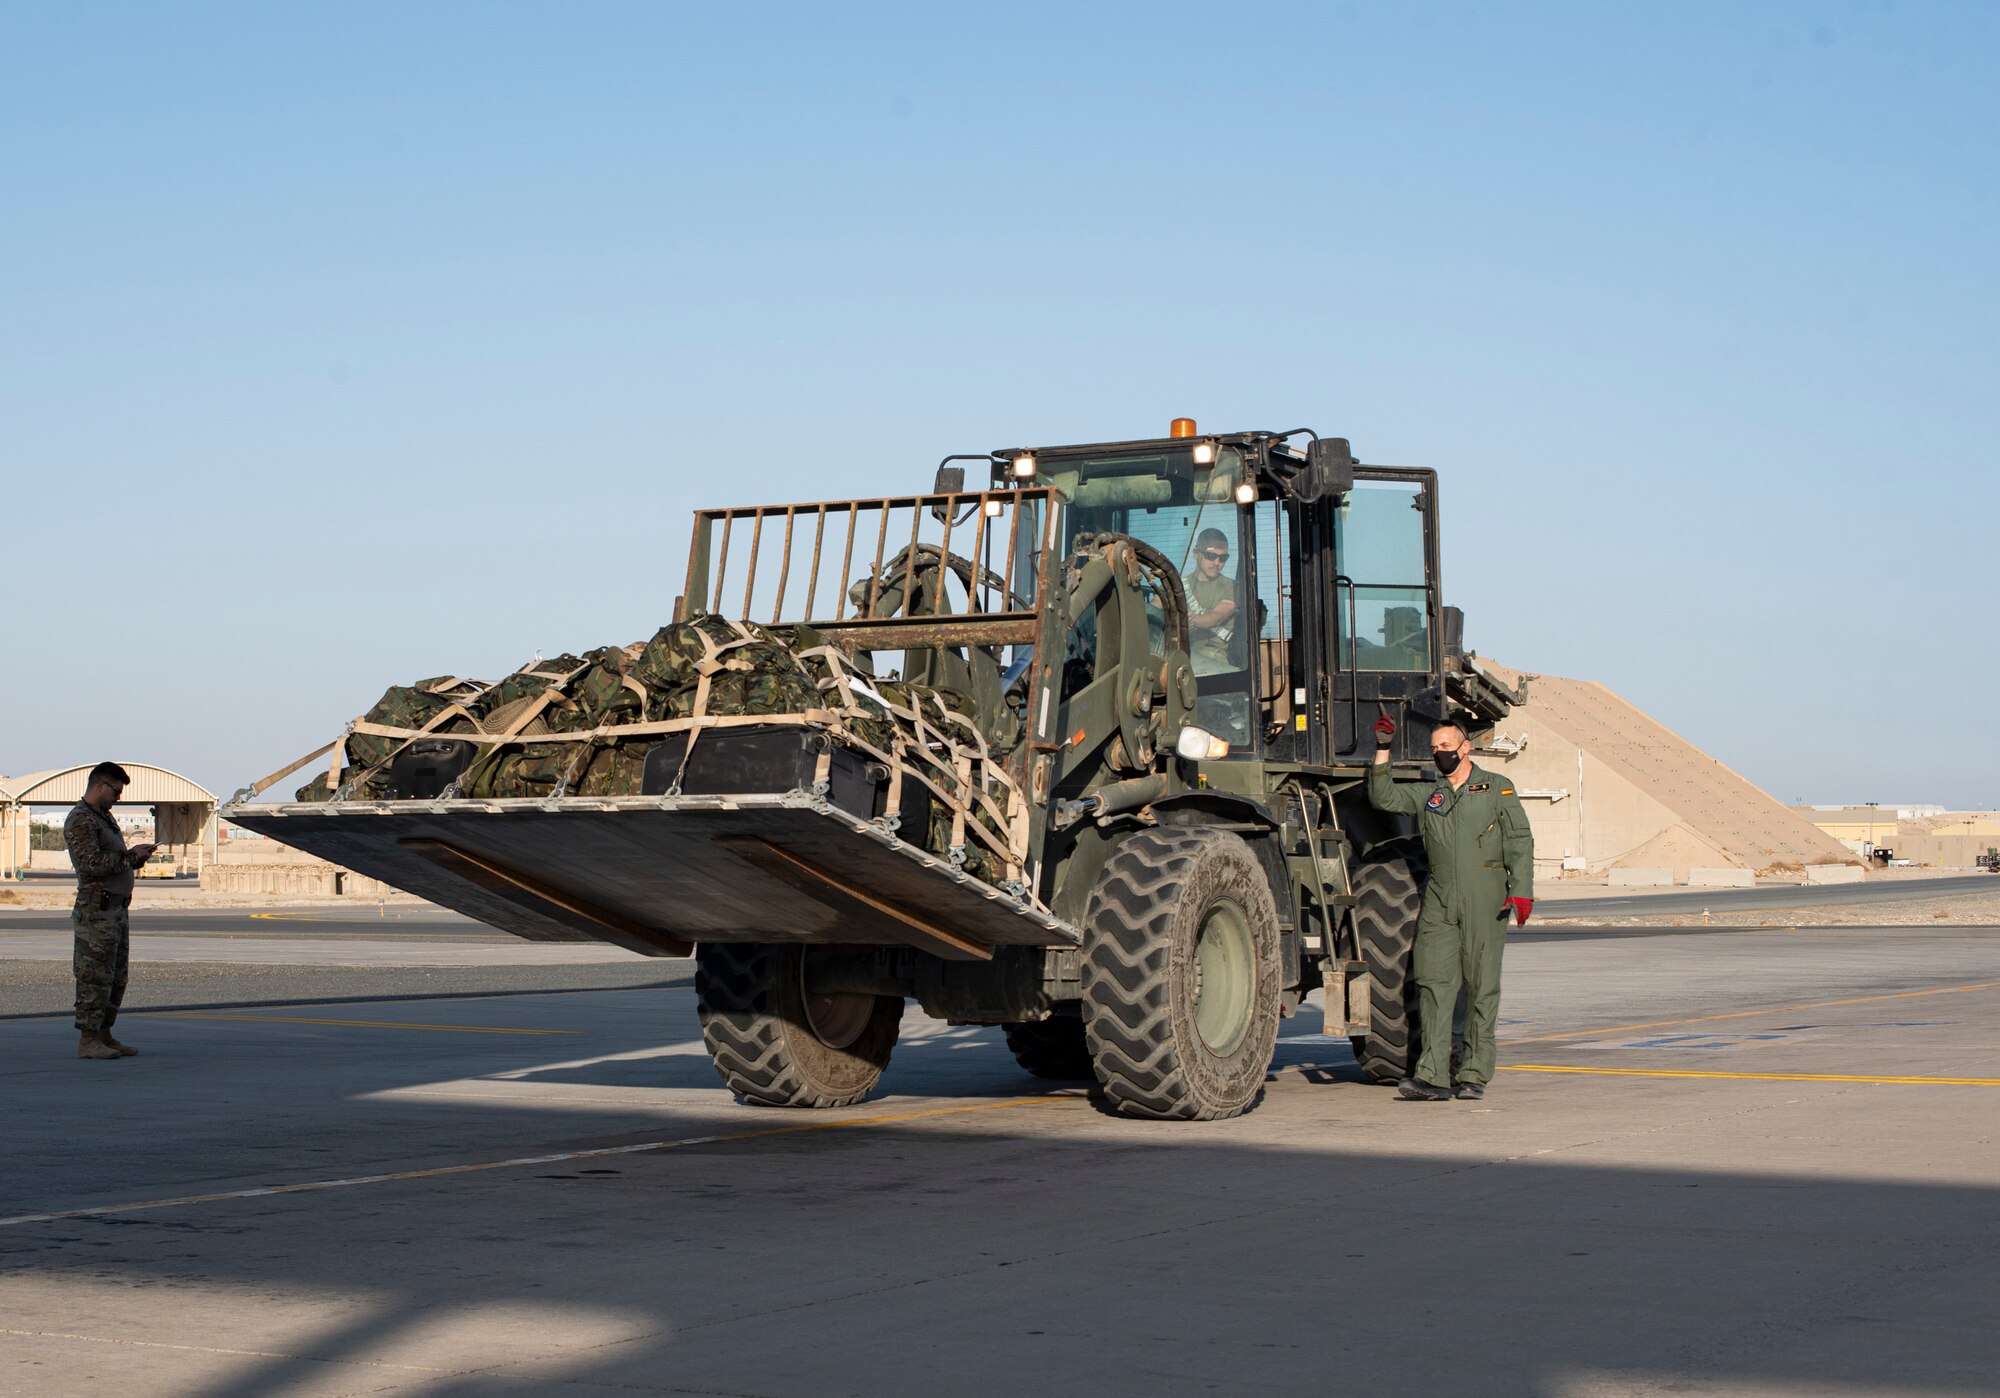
{"x": 605, "y": 695}
{"x": 500, "y": 706}
{"x": 570, "y": 694}
{"x": 601, "y": 766}
{"x": 748, "y": 671}
{"x": 414, "y": 707}
{"x": 533, "y": 769}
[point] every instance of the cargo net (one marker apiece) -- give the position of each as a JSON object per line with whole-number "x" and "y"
{"x": 586, "y": 725}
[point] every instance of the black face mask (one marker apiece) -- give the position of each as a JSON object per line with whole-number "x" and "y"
{"x": 1447, "y": 762}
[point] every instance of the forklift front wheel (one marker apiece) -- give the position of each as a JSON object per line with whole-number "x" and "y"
{"x": 1180, "y": 975}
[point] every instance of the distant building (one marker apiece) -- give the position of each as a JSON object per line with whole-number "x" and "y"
{"x": 168, "y": 808}
{"x": 1928, "y": 835}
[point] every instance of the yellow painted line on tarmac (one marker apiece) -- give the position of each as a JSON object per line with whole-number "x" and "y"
{"x": 368, "y": 1024}
{"x": 1752, "y": 1014}
{"x": 1747, "y": 1077}
{"x": 522, "y": 1161}
{"x": 1562, "y": 924}
{"x": 318, "y": 917}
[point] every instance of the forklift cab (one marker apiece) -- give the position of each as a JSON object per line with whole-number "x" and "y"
{"x": 1311, "y": 582}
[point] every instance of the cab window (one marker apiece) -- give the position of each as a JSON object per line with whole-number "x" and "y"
{"x": 1379, "y": 542}
{"x": 1206, "y": 542}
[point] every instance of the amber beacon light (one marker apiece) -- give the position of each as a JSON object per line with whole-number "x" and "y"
{"x": 1182, "y": 427}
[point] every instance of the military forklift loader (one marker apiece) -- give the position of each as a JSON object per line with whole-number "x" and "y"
{"x": 1176, "y": 649}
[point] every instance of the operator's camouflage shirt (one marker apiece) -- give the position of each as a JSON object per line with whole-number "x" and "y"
{"x": 97, "y": 849}
{"x": 1210, "y": 643}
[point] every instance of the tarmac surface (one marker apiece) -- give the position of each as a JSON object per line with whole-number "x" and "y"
{"x": 412, "y": 919}
{"x": 1742, "y": 1161}
{"x": 1770, "y": 896}
{"x": 195, "y": 959}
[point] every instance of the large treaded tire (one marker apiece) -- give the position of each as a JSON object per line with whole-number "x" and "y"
{"x": 1052, "y": 1048}
{"x": 1160, "y": 893}
{"x": 1389, "y": 893}
{"x": 761, "y": 1039}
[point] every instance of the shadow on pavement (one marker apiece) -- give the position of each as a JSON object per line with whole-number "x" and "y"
{"x": 1039, "y": 1249}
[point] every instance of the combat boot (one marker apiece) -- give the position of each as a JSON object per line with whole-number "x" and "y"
{"x": 1417, "y": 1090}
{"x": 125, "y": 1050}
{"x": 92, "y": 1045}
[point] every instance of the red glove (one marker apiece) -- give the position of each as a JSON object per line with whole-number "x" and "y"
{"x": 1385, "y": 731}
{"x": 1521, "y": 907}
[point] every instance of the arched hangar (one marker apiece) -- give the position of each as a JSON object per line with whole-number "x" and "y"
{"x": 184, "y": 823}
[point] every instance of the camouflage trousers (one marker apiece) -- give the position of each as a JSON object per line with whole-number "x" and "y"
{"x": 103, "y": 929}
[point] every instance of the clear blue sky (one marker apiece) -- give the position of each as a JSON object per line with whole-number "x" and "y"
{"x": 349, "y": 344}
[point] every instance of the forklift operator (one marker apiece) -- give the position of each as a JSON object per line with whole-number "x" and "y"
{"x": 1211, "y": 596}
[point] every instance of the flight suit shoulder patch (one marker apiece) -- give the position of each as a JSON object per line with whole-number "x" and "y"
{"x": 1436, "y": 803}
{"x": 1506, "y": 791}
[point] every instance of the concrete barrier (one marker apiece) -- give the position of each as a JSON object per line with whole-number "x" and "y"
{"x": 1641, "y": 878}
{"x": 1721, "y": 878}
{"x": 240, "y": 851}
{"x": 285, "y": 879}
{"x": 1835, "y": 873}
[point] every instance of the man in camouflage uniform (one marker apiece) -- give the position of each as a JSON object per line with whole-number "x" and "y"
{"x": 1211, "y": 596}
{"x": 104, "y": 871}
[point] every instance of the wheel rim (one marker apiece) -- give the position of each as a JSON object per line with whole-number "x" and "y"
{"x": 838, "y": 1017}
{"x": 1225, "y": 979}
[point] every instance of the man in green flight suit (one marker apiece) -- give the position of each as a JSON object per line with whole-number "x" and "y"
{"x": 1482, "y": 859}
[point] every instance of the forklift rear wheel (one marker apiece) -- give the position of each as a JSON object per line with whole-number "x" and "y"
{"x": 1052, "y": 1048}
{"x": 777, "y": 1042}
{"x": 1388, "y": 894}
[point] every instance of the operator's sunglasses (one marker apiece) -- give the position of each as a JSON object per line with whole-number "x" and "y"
{"x": 1216, "y": 555}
